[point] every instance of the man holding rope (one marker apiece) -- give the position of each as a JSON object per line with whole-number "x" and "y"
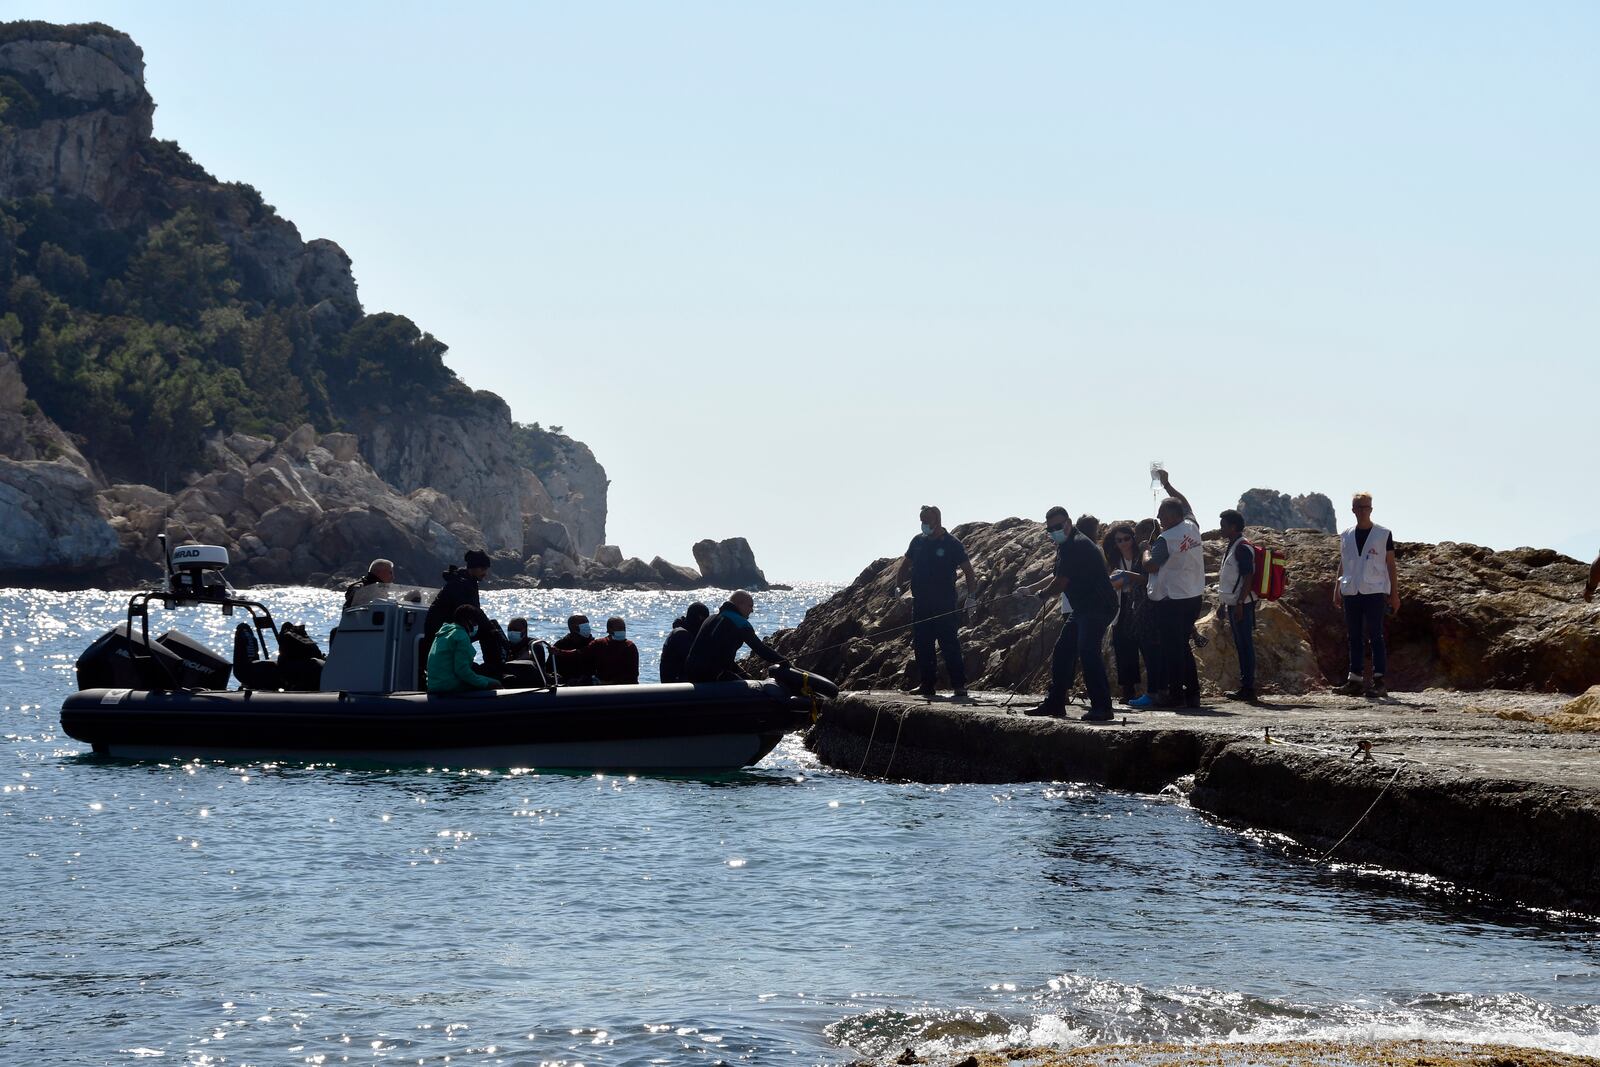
{"x": 930, "y": 563}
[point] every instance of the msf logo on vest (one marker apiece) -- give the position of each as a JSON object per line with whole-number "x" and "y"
{"x": 1188, "y": 542}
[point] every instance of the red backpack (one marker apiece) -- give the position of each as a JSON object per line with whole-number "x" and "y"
{"x": 1270, "y": 578}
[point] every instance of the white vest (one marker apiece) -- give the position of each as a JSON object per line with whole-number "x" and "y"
{"x": 1183, "y": 575}
{"x": 1368, "y": 573}
{"x": 1228, "y": 578}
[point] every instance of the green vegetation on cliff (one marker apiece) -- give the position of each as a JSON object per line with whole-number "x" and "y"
{"x": 141, "y": 339}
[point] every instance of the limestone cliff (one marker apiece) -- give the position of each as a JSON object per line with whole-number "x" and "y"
{"x": 149, "y": 312}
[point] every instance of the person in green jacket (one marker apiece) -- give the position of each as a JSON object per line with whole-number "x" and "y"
{"x": 450, "y": 666}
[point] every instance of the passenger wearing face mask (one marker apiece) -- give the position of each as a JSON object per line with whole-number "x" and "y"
{"x": 572, "y": 652}
{"x": 930, "y": 563}
{"x": 1089, "y": 603}
{"x": 614, "y": 658}
{"x": 450, "y": 665}
{"x": 518, "y": 644}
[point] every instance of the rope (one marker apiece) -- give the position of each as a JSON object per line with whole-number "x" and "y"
{"x": 863, "y": 768}
{"x": 1364, "y": 815}
{"x": 903, "y": 715}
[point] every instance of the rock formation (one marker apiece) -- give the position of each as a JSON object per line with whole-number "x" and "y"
{"x": 425, "y": 466}
{"x": 1279, "y": 511}
{"x": 1470, "y": 618}
{"x": 729, "y": 564}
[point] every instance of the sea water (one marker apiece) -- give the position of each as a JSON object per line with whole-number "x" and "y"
{"x": 211, "y": 913}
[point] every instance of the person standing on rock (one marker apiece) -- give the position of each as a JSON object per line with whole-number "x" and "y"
{"x": 1134, "y": 632}
{"x": 1177, "y": 570}
{"x": 675, "y": 653}
{"x": 930, "y": 563}
{"x": 1236, "y": 601}
{"x": 1368, "y": 587}
{"x": 711, "y": 656}
{"x": 1090, "y": 602}
{"x": 379, "y": 572}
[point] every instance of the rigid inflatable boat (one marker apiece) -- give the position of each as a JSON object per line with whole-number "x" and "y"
{"x": 168, "y": 698}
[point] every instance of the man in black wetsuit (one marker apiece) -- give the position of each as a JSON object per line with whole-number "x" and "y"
{"x": 675, "y": 653}
{"x": 930, "y": 563}
{"x": 711, "y": 656}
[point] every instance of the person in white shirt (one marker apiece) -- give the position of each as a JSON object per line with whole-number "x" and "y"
{"x": 1177, "y": 566}
{"x": 1368, "y": 586}
{"x": 1236, "y": 601}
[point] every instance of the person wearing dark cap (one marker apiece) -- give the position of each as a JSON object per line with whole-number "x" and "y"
{"x": 460, "y": 587}
{"x": 675, "y": 653}
{"x": 930, "y": 563}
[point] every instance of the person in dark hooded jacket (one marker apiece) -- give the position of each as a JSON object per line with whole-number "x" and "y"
{"x": 711, "y": 657}
{"x": 675, "y": 653}
{"x": 460, "y": 587}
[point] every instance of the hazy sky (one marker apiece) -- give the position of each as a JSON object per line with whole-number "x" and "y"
{"x": 793, "y": 271}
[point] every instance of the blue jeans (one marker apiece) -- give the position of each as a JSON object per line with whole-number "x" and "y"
{"x": 1363, "y": 615}
{"x": 1244, "y": 639}
{"x": 1079, "y": 641}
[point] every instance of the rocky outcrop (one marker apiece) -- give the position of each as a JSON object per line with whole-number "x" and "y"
{"x": 1279, "y": 511}
{"x": 729, "y": 564}
{"x": 50, "y": 526}
{"x": 77, "y": 112}
{"x": 75, "y": 127}
{"x": 293, "y": 509}
{"x": 1469, "y": 618}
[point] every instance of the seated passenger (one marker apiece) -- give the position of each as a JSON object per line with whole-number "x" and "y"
{"x": 450, "y": 666}
{"x": 711, "y": 657}
{"x": 615, "y": 659}
{"x": 518, "y": 644}
{"x": 572, "y": 652}
{"x": 379, "y": 572}
{"x": 675, "y": 653}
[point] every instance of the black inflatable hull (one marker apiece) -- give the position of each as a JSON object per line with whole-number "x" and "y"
{"x": 671, "y": 729}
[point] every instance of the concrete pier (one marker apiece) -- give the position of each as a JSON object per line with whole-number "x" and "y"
{"x": 1469, "y": 787}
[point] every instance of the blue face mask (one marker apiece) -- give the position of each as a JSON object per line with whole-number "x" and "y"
{"x": 517, "y": 636}
{"x": 1058, "y": 536}
{"x": 584, "y": 630}
{"x": 473, "y": 633}
{"x": 926, "y": 529}
{"x": 619, "y": 635}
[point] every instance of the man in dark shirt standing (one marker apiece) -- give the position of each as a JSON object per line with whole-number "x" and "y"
{"x": 1081, "y": 579}
{"x": 930, "y": 562}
